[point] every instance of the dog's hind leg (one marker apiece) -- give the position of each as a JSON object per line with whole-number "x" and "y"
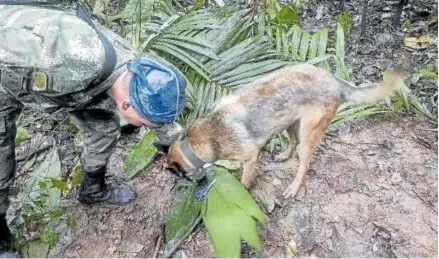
{"x": 312, "y": 129}
{"x": 293, "y": 133}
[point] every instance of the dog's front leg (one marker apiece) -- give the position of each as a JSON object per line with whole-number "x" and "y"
{"x": 249, "y": 170}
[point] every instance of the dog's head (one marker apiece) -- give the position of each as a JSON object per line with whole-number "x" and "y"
{"x": 179, "y": 165}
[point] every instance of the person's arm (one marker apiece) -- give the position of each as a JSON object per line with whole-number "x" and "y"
{"x": 167, "y": 135}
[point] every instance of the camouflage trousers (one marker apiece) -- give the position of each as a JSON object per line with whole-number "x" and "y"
{"x": 100, "y": 129}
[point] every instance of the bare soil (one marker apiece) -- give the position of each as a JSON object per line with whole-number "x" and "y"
{"x": 371, "y": 190}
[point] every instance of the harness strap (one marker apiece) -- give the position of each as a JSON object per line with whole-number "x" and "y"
{"x": 189, "y": 153}
{"x": 110, "y": 53}
{"x": 11, "y": 79}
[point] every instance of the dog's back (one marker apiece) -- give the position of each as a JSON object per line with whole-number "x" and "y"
{"x": 274, "y": 102}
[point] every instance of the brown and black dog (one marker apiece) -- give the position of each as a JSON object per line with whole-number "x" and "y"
{"x": 301, "y": 99}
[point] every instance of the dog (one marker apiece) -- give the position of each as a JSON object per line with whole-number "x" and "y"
{"x": 301, "y": 99}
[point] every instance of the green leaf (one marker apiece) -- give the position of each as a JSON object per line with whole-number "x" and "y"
{"x": 304, "y": 44}
{"x": 428, "y": 73}
{"x": 196, "y": 6}
{"x": 245, "y": 81}
{"x": 323, "y": 42}
{"x": 257, "y": 70}
{"x": 140, "y": 156}
{"x": 49, "y": 237}
{"x": 203, "y": 51}
{"x": 22, "y": 135}
{"x": 210, "y": 97}
{"x": 202, "y": 43}
{"x": 220, "y": 218}
{"x": 248, "y": 228}
{"x": 288, "y": 15}
{"x": 229, "y": 214}
{"x": 56, "y": 213}
{"x": 340, "y": 53}
{"x": 345, "y": 21}
{"x": 295, "y": 40}
{"x": 261, "y": 24}
{"x": 36, "y": 249}
{"x": 238, "y": 54}
{"x": 137, "y": 28}
{"x": 285, "y": 44}
{"x": 42, "y": 184}
{"x": 315, "y": 40}
{"x": 278, "y": 39}
{"x": 319, "y": 59}
{"x": 200, "y": 99}
{"x": 49, "y": 168}
{"x": 77, "y": 175}
{"x": 242, "y": 71}
{"x": 232, "y": 63}
{"x": 234, "y": 192}
{"x": 347, "y": 111}
{"x": 132, "y": 6}
{"x": 291, "y": 249}
{"x": 183, "y": 56}
{"x": 184, "y": 212}
{"x": 57, "y": 183}
{"x": 71, "y": 221}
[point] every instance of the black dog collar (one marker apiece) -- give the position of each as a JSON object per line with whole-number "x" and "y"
{"x": 189, "y": 153}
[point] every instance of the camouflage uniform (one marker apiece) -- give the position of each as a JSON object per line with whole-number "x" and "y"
{"x": 70, "y": 52}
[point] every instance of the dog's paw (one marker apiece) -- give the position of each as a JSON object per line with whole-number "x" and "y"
{"x": 291, "y": 191}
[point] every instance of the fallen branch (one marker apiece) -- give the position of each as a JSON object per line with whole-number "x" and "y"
{"x": 419, "y": 197}
{"x": 421, "y": 141}
{"x": 157, "y": 246}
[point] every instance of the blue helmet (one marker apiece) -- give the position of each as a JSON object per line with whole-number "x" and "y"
{"x": 156, "y": 90}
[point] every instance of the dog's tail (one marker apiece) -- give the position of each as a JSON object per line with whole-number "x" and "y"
{"x": 373, "y": 92}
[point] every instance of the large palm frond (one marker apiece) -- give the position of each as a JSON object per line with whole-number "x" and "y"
{"x": 213, "y": 49}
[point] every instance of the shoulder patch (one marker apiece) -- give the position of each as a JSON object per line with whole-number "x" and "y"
{"x": 39, "y": 81}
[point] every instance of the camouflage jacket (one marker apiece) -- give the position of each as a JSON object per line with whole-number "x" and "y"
{"x": 62, "y": 46}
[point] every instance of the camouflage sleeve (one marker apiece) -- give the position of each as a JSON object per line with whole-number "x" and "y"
{"x": 168, "y": 134}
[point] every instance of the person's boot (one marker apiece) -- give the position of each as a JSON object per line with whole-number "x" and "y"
{"x": 94, "y": 190}
{"x": 5, "y": 240}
